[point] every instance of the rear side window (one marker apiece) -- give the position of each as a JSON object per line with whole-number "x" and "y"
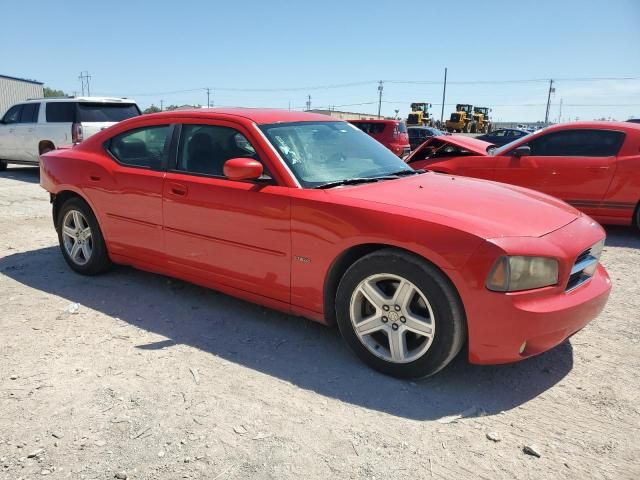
{"x": 371, "y": 128}
{"x": 143, "y": 147}
{"x": 402, "y": 128}
{"x": 29, "y": 113}
{"x": 61, "y": 112}
{"x": 106, "y": 112}
{"x": 578, "y": 143}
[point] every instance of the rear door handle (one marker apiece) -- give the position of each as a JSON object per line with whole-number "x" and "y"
{"x": 178, "y": 189}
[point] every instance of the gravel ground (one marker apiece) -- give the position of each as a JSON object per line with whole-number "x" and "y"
{"x": 153, "y": 378}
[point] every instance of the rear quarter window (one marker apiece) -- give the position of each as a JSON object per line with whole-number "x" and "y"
{"x": 61, "y": 112}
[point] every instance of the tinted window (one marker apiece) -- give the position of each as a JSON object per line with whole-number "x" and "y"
{"x": 370, "y": 128}
{"x": 204, "y": 148}
{"x": 143, "y": 147}
{"x": 106, "y": 112}
{"x": 402, "y": 128}
{"x": 61, "y": 112}
{"x": 13, "y": 114}
{"x": 578, "y": 143}
{"x": 29, "y": 113}
{"x": 499, "y": 133}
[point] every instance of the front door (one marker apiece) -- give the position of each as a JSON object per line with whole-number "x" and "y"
{"x": 234, "y": 233}
{"x": 8, "y": 136}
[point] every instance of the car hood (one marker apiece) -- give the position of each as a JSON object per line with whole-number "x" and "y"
{"x": 486, "y": 208}
{"x": 479, "y": 147}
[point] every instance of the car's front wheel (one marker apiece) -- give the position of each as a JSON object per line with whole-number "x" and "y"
{"x": 400, "y": 314}
{"x": 80, "y": 238}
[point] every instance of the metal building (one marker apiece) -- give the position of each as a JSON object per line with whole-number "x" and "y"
{"x": 14, "y": 90}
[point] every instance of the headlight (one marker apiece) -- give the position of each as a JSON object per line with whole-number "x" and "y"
{"x": 594, "y": 252}
{"x": 511, "y": 274}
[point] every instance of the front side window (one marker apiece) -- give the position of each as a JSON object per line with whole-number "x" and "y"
{"x": 204, "y": 149}
{"x": 578, "y": 143}
{"x": 143, "y": 147}
{"x": 12, "y": 115}
{"x": 324, "y": 152}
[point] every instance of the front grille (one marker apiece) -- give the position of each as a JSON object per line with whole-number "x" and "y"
{"x": 583, "y": 262}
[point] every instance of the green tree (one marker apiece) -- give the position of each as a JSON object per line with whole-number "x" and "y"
{"x": 50, "y": 92}
{"x": 151, "y": 109}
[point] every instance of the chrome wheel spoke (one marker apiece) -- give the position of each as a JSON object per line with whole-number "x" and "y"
{"x": 404, "y": 293}
{"x": 69, "y": 231}
{"x": 77, "y": 220}
{"x": 86, "y": 251}
{"x": 418, "y": 325}
{"x": 373, "y": 294}
{"x": 87, "y": 233}
{"x": 370, "y": 325}
{"x": 75, "y": 250}
{"x": 397, "y": 345}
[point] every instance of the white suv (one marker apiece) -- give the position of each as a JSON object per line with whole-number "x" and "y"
{"x": 33, "y": 127}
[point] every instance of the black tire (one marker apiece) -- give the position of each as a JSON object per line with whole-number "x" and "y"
{"x": 636, "y": 218}
{"x": 448, "y": 312}
{"x": 3, "y": 166}
{"x": 98, "y": 261}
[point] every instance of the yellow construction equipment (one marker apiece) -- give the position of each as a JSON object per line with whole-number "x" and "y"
{"x": 419, "y": 114}
{"x": 461, "y": 119}
{"x": 481, "y": 121}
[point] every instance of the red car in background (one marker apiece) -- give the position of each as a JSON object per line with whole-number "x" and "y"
{"x": 306, "y": 214}
{"x": 391, "y": 133}
{"x": 594, "y": 166}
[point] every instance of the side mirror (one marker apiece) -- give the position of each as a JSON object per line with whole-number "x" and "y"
{"x": 521, "y": 151}
{"x": 242, "y": 169}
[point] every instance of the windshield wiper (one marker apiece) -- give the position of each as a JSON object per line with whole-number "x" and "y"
{"x": 348, "y": 181}
{"x": 402, "y": 173}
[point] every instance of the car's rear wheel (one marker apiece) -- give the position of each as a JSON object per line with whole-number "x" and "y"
{"x": 80, "y": 238}
{"x": 400, "y": 314}
{"x": 3, "y": 165}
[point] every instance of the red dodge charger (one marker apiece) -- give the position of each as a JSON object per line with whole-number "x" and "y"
{"x": 594, "y": 166}
{"x": 311, "y": 216}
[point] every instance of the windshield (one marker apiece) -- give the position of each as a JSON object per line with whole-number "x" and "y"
{"x": 322, "y": 152}
{"x": 106, "y": 112}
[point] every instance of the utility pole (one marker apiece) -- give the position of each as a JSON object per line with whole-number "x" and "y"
{"x": 551, "y": 90}
{"x": 161, "y": 105}
{"x": 560, "y": 114}
{"x": 444, "y": 95}
{"x": 380, "y": 88}
{"x": 208, "y": 92}
{"x": 308, "y": 102}
{"x": 84, "y": 80}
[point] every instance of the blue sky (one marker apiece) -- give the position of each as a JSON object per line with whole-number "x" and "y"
{"x": 146, "y": 49}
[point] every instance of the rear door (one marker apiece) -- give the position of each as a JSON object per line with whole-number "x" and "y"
{"x": 128, "y": 194}
{"x": 8, "y": 136}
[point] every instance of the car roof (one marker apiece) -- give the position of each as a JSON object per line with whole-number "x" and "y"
{"x": 385, "y": 120}
{"x": 256, "y": 115}
{"x": 81, "y": 99}
{"x": 605, "y": 125}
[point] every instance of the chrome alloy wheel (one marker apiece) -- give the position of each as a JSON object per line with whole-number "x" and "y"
{"x": 76, "y": 237}
{"x": 392, "y": 318}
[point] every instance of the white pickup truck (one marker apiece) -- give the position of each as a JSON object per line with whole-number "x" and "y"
{"x": 33, "y": 127}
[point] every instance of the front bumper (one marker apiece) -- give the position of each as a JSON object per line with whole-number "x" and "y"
{"x": 543, "y": 322}
{"x": 507, "y": 327}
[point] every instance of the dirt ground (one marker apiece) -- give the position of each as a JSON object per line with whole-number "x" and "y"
{"x": 154, "y": 378}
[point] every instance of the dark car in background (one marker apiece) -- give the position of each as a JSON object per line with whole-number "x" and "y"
{"x": 391, "y": 133}
{"x": 502, "y": 136}
{"x": 418, "y": 135}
